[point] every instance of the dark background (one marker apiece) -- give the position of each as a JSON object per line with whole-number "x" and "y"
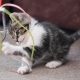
{"x": 65, "y": 13}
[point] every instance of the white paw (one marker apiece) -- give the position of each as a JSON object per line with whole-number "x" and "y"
{"x": 6, "y": 47}
{"x": 24, "y": 70}
{"x": 53, "y": 64}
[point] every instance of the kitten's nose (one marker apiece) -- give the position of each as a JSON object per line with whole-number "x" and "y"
{"x": 17, "y": 43}
{"x": 17, "y": 40}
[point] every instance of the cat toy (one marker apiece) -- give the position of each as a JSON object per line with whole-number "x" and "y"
{"x": 4, "y": 26}
{"x": 13, "y": 18}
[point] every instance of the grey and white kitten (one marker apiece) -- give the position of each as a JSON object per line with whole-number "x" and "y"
{"x": 51, "y": 43}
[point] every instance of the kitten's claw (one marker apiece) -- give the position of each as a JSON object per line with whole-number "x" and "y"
{"x": 24, "y": 70}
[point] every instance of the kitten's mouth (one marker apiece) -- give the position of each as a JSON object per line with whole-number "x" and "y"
{"x": 20, "y": 41}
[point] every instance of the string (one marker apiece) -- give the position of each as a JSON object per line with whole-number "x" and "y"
{"x": 13, "y": 18}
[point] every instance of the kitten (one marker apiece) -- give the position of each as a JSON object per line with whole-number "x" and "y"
{"x": 51, "y": 43}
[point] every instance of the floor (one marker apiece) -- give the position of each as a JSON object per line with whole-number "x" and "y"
{"x": 69, "y": 71}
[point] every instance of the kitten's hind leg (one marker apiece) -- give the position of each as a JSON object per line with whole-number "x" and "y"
{"x": 56, "y": 63}
{"x": 53, "y": 64}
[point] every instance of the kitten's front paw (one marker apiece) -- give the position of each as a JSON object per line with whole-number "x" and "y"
{"x": 5, "y": 48}
{"x": 24, "y": 70}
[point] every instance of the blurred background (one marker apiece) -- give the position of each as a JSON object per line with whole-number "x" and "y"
{"x": 65, "y": 13}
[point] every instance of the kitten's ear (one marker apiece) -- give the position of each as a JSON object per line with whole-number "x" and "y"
{"x": 16, "y": 15}
{"x": 22, "y": 17}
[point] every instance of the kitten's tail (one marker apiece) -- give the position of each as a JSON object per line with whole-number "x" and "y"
{"x": 75, "y": 36}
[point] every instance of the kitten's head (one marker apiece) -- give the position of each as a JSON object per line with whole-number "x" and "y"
{"x": 15, "y": 30}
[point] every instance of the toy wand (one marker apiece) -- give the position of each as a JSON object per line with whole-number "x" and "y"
{"x": 4, "y": 27}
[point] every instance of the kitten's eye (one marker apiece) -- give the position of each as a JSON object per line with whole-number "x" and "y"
{"x": 27, "y": 26}
{"x": 22, "y": 30}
